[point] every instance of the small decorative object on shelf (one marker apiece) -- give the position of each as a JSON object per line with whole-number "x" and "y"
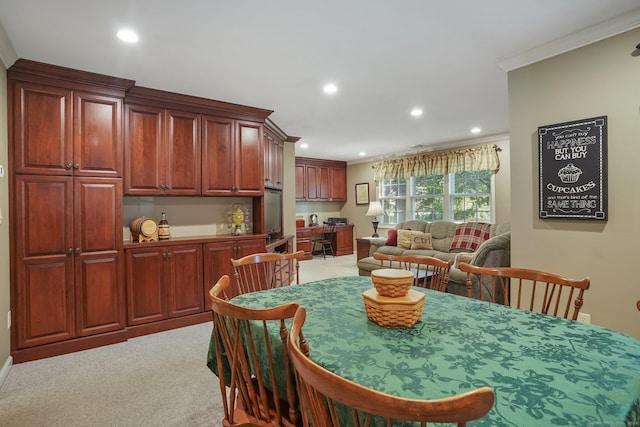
{"x": 163, "y": 228}
{"x": 143, "y": 229}
{"x": 238, "y": 219}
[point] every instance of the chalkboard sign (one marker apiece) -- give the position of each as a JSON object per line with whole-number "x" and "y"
{"x": 573, "y": 169}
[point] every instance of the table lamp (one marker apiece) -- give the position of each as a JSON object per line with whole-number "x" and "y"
{"x": 375, "y": 210}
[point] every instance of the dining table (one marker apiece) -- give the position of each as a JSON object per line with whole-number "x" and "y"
{"x": 544, "y": 370}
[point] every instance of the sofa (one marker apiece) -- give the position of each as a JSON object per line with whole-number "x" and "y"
{"x": 488, "y": 246}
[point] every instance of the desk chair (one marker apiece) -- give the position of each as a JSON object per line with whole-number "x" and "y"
{"x": 246, "y": 366}
{"x": 429, "y": 272}
{"x": 533, "y": 290}
{"x": 257, "y": 272}
{"x": 322, "y": 393}
{"x": 325, "y": 240}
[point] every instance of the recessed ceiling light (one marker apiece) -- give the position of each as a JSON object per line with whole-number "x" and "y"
{"x": 362, "y": 153}
{"x": 475, "y": 130}
{"x": 330, "y": 88}
{"x": 304, "y": 145}
{"x": 127, "y": 35}
{"x": 416, "y": 112}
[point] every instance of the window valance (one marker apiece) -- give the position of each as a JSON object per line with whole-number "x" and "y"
{"x": 483, "y": 157}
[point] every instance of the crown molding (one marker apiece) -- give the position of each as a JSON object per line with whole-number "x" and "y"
{"x": 7, "y": 53}
{"x": 589, "y": 35}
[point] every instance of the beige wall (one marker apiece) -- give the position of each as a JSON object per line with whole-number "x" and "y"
{"x": 363, "y": 172}
{"x": 599, "y": 79}
{"x": 5, "y": 342}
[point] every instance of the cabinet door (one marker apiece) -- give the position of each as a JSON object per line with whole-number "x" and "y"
{"x": 278, "y": 166}
{"x": 100, "y": 302}
{"x": 324, "y": 186}
{"x": 99, "y": 284}
{"x": 217, "y": 156}
{"x": 42, "y": 130}
{"x": 344, "y": 240}
{"x": 97, "y": 139}
{"x": 144, "y": 157}
{"x": 301, "y": 183}
{"x": 217, "y": 262}
{"x": 44, "y": 292}
{"x": 184, "y": 283}
{"x": 249, "y": 159}
{"x": 269, "y": 166}
{"x": 338, "y": 184}
{"x": 182, "y": 153}
{"x": 146, "y": 296}
{"x": 312, "y": 181}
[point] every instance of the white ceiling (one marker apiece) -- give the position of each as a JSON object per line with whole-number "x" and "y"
{"x": 386, "y": 56}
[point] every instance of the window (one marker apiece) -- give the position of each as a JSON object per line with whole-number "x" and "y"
{"x": 457, "y": 197}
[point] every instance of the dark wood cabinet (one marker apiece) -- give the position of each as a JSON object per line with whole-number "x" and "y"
{"x": 232, "y": 157}
{"x": 273, "y": 158}
{"x": 61, "y": 132}
{"x": 321, "y": 180}
{"x": 162, "y": 151}
{"x": 301, "y": 182}
{"x": 69, "y": 272}
{"x": 217, "y": 256}
{"x": 163, "y": 282}
{"x": 342, "y": 240}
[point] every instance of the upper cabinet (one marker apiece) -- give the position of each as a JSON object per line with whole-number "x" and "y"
{"x": 163, "y": 151}
{"x": 182, "y": 145}
{"x": 232, "y": 157}
{"x": 321, "y": 180}
{"x": 64, "y": 122}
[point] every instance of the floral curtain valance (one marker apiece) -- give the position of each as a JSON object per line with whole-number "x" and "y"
{"x": 444, "y": 162}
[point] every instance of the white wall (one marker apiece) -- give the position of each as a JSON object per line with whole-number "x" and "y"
{"x": 599, "y": 79}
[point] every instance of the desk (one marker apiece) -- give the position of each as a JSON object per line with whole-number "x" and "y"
{"x": 342, "y": 240}
{"x": 544, "y": 370}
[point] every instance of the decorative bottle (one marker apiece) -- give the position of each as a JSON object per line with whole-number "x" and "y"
{"x": 163, "y": 228}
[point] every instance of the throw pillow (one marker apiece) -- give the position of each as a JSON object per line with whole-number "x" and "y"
{"x": 469, "y": 236}
{"x": 405, "y": 236}
{"x": 421, "y": 241}
{"x": 392, "y": 238}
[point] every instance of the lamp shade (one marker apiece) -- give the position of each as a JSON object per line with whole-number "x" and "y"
{"x": 375, "y": 209}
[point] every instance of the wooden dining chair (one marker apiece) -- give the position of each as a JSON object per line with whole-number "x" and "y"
{"x": 323, "y": 396}
{"x": 256, "y": 379}
{"x": 257, "y": 272}
{"x": 429, "y": 272}
{"x": 529, "y": 289}
{"x": 325, "y": 240}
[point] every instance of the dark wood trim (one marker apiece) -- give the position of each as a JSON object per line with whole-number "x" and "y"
{"x": 160, "y": 98}
{"x": 69, "y": 346}
{"x": 168, "y": 324}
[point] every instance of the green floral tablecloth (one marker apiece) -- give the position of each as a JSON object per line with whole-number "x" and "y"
{"x": 545, "y": 371}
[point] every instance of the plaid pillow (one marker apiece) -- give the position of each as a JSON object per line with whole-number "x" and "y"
{"x": 469, "y": 236}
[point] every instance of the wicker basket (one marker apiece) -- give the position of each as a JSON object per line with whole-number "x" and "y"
{"x": 400, "y": 312}
{"x": 392, "y": 282}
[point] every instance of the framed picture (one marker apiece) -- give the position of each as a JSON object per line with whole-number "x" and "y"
{"x": 362, "y": 193}
{"x": 573, "y": 169}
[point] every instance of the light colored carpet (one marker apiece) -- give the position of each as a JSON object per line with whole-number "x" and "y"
{"x": 154, "y": 380}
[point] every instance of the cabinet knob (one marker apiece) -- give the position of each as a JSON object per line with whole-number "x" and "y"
{"x": 76, "y": 166}
{"x": 77, "y": 250}
{"x": 67, "y": 166}
{"x": 70, "y": 250}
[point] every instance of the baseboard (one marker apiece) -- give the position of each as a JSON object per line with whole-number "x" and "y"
{"x": 5, "y": 369}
